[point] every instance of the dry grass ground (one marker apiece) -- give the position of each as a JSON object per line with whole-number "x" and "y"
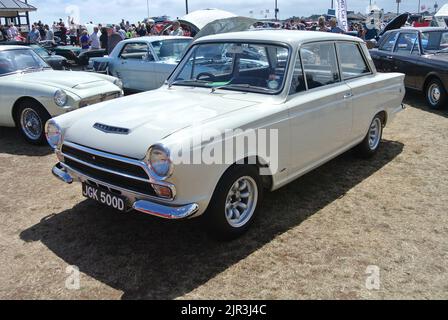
{"x": 315, "y": 237}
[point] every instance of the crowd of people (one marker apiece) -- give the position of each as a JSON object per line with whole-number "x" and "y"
{"x": 98, "y": 37}
{"x": 362, "y": 30}
{"x": 78, "y": 35}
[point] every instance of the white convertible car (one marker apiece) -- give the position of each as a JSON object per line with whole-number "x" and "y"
{"x": 143, "y": 63}
{"x": 316, "y": 95}
{"x": 31, "y": 92}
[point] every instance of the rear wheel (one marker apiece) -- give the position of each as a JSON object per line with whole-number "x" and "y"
{"x": 235, "y": 203}
{"x": 435, "y": 94}
{"x": 30, "y": 119}
{"x": 371, "y": 143}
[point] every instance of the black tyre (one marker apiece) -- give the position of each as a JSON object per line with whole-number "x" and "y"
{"x": 435, "y": 94}
{"x": 372, "y": 142}
{"x": 235, "y": 203}
{"x": 30, "y": 119}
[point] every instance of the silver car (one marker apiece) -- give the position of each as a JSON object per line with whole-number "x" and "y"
{"x": 143, "y": 63}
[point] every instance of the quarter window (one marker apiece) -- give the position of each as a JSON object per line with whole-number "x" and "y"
{"x": 298, "y": 80}
{"x": 320, "y": 64}
{"x": 352, "y": 61}
{"x": 136, "y": 51}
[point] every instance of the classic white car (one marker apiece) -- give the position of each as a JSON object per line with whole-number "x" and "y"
{"x": 155, "y": 157}
{"x": 31, "y": 92}
{"x": 143, "y": 63}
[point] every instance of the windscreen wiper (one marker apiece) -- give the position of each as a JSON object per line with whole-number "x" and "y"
{"x": 239, "y": 86}
{"x": 186, "y": 82}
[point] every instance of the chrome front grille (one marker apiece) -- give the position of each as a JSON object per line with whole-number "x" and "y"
{"x": 99, "y": 98}
{"x": 118, "y": 171}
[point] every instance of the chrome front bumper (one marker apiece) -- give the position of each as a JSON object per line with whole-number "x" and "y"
{"x": 137, "y": 201}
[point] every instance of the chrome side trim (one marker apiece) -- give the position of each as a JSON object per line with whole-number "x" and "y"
{"x": 172, "y": 213}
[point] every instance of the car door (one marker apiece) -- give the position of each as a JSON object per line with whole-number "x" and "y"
{"x": 384, "y": 55}
{"x": 357, "y": 73}
{"x": 135, "y": 66}
{"x": 320, "y": 107}
{"x": 406, "y": 55}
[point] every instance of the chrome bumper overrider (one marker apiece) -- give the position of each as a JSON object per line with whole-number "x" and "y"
{"x": 137, "y": 201}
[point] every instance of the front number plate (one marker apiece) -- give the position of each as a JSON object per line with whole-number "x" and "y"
{"x": 104, "y": 197}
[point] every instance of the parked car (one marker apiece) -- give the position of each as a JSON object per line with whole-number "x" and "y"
{"x": 55, "y": 61}
{"x": 126, "y": 152}
{"x": 143, "y": 63}
{"x": 421, "y": 54}
{"x": 74, "y": 54}
{"x": 31, "y": 92}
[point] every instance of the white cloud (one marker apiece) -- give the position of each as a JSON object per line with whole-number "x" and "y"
{"x": 112, "y": 11}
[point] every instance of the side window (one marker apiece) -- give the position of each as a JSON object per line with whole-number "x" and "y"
{"x": 389, "y": 42}
{"x": 406, "y": 43}
{"x": 320, "y": 64}
{"x": 352, "y": 60}
{"x": 298, "y": 80}
{"x": 136, "y": 51}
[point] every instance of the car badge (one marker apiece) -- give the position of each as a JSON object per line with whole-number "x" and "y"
{"x": 110, "y": 129}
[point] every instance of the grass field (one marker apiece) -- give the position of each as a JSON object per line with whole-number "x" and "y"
{"x": 314, "y": 239}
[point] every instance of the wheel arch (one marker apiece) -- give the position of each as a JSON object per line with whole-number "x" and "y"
{"x": 17, "y": 103}
{"x": 260, "y": 163}
{"x": 429, "y": 77}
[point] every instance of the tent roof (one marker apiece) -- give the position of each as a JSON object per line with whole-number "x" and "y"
{"x": 15, "y": 5}
{"x": 443, "y": 12}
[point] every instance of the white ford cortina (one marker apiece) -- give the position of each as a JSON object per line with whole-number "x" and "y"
{"x": 31, "y": 92}
{"x": 306, "y": 96}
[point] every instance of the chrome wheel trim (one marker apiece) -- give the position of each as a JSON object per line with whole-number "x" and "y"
{"x": 241, "y": 201}
{"x": 434, "y": 94}
{"x": 31, "y": 123}
{"x": 375, "y": 134}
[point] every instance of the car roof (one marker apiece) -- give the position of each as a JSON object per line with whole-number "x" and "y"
{"x": 424, "y": 29}
{"x": 292, "y": 37}
{"x": 156, "y": 38}
{"x": 13, "y": 47}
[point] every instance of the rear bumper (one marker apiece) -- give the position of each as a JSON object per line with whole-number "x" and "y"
{"x": 136, "y": 200}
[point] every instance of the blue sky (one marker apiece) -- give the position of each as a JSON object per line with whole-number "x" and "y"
{"x": 111, "y": 11}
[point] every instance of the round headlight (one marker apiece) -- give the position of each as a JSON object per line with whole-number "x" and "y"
{"x": 118, "y": 83}
{"x": 53, "y": 133}
{"x": 160, "y": 162}
{"x": 60, "y": 98}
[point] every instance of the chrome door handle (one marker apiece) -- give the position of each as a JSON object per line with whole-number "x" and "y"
{"x": 348, "y": 95}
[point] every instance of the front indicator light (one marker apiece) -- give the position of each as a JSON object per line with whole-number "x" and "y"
{"x": 162, "y": 191}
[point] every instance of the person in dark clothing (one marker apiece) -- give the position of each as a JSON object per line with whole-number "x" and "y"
{"x": 63, "y": 31}
{"x": 104, "y": 38}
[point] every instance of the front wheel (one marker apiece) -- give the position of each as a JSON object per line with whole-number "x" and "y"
{"x": 371, "y": 143}
{"x": 31, "y": 118}
{"x": 435, "y": 94}
{"x": 235, "y": 203}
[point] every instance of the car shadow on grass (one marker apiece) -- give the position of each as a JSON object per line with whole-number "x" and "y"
{"x": 11, "y": 142}
{"x": 417, "y": 100}
{"x": 148, "y": 258}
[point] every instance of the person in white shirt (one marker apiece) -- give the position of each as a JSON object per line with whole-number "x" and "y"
{"x": 177, "y": 30}
{"x": 95, "y": 40}
{"x": 49, "y": 34}
{"x": 121, "y": 32}
{"x": 13, "y": 32}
